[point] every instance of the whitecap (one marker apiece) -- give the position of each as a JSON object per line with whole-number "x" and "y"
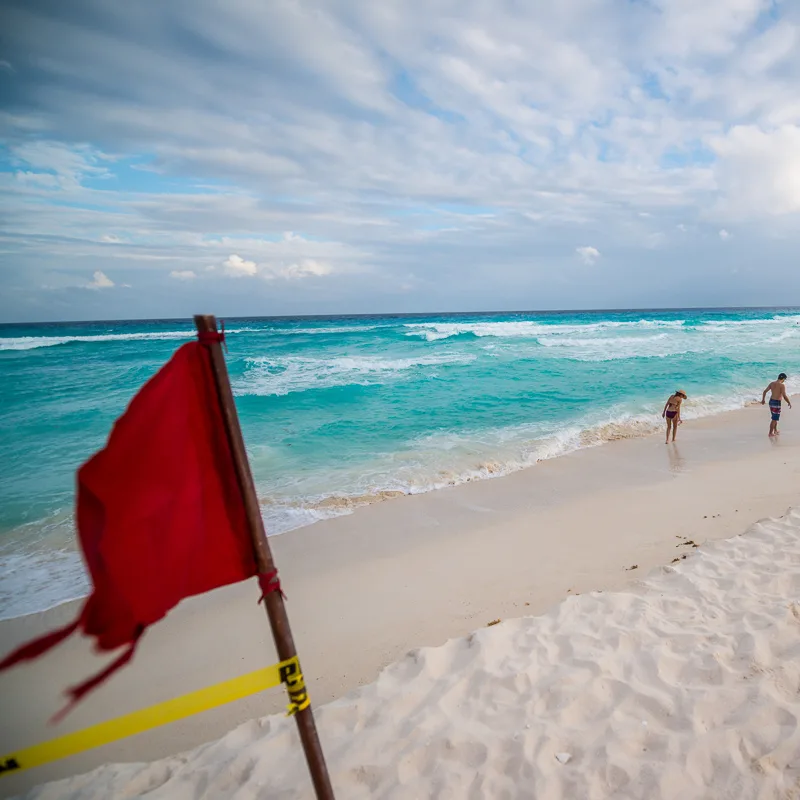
{"x": 432, "y": 331}
{"x": 286, "y": 374}
{"x": 33, "y": 342}
{"x": 311, "y": 331}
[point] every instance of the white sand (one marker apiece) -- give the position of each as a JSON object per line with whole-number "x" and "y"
{"x": 685, "y": 686}
{"x": 419, "y": 570}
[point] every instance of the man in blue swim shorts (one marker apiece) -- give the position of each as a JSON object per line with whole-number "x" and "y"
{"x": 778, "y": 393}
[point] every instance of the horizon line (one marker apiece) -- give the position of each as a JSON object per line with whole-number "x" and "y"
{"x": 410, "y": 314}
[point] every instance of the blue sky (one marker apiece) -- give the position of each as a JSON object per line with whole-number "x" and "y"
{"x": 239, "y": 157}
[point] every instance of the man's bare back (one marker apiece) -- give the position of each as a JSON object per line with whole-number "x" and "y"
{"x": 777, "y": 391}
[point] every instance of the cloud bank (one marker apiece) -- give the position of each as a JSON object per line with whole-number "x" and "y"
{"x": 424, "y": 156}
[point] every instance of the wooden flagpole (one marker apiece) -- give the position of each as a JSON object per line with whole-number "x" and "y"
{"x": 273, "y": 601}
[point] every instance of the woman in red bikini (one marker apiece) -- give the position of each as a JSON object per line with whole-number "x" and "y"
{"x": 672, "y": 413}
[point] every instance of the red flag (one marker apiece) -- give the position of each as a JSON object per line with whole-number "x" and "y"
{"x": 160, "y": 514}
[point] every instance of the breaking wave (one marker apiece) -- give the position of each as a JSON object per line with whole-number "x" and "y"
{"x": 329, "y": 331}
{"x": 727, "y": 324}
{"x": 286, "y": 374}
{"x": 431, "y": 331}
{"x": 34, "y": 342}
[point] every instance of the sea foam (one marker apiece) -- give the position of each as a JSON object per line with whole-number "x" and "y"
{"x": 287, "y": 374}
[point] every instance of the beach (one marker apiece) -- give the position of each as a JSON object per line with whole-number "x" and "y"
{"x": 589, "y": 539}
{"x": 337, "y": 346}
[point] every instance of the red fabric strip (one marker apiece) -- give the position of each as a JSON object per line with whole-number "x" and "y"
{"x": 38, "y": 646}
{"x": 269, "y": 582}
{"x": 77, "y": 693}
{"x": 212, "y": 337}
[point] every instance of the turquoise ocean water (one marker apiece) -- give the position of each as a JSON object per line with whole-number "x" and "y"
{"x": 341, "y": 411}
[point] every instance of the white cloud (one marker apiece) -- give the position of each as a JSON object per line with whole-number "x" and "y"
{"x": 305, "y": 268}
{"x": 100, "y": 281}
{"x": 688, "y": 28}
{"x": 43, "y": 179}
{"x": 238, "y": 267}
{"x": 758, "y": 171}
{"x": 770, "y": 48}
{"x": 589, "y": 255}
{"x": 723, "y": 234}
{"x": 110, "y": 238}
{"x": 183, "y": 274}
{"x": 6, "y": 66}
{"x": 56, "y": 163}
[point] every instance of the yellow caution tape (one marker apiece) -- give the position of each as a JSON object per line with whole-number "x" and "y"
{"x": 296, "y": 687}
{"x": 287, "y": 672}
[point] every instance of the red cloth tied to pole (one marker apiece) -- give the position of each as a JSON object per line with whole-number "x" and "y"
{"x": 160, "y": 514}
{"x": 269, "y": 582}
{"x": 213, "y": 337}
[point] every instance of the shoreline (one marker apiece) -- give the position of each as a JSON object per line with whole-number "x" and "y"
{"x": 367, "y": 587}
{"x": 570, "y": 441}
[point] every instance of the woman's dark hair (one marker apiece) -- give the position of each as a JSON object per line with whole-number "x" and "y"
{"x": 782, "y": 376}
